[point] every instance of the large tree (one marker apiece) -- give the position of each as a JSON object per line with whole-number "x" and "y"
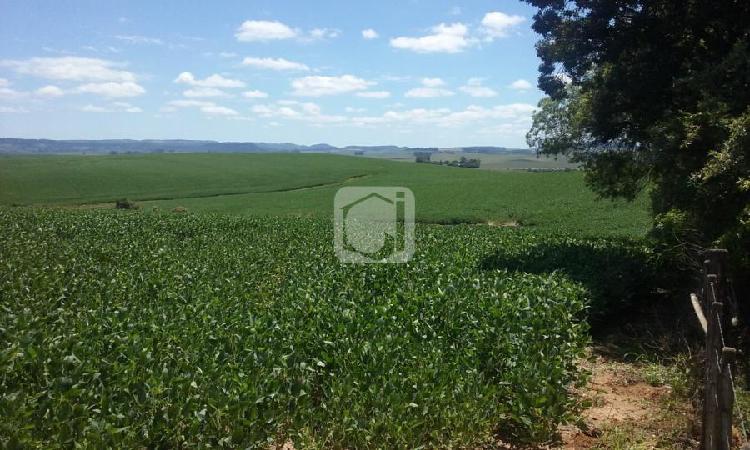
{"x": 656, "y": 94}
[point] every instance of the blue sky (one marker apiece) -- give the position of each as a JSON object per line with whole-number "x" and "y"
{"x": 410, "y": 72}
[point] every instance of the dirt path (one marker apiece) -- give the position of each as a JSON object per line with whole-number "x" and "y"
{"x": 630, "y": 409}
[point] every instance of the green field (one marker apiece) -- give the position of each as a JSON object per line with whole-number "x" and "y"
{"x": 234, "y": 325}
{"x": 492, "y": 161}
{"x": 246, "y": 331}
{"x": 304, "y": 186}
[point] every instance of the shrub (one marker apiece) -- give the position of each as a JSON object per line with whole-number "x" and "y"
{"x": 125, "y": 204}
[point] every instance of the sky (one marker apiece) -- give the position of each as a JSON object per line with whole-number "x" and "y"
{"x": 417, "y": 73}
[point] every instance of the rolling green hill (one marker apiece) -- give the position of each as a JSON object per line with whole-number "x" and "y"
{"x": 305, "y": 184}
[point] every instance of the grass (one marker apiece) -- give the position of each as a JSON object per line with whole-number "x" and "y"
{"x": 675, "y": 373}
{"x": 303, "y": 185}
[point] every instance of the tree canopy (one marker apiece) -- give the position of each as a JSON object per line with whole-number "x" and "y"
{"x": 654, "y": 93}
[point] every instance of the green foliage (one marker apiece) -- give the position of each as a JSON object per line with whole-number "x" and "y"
{"x": 125, "y": 204}
{"x": 561, "y": 126}
{"x": 165, "y": 331}
{"x": 618, "y": 273}
{"x": 464, "y": 162}
{"x": 556, "y": 127}
{"x": 422, "y": 157}
{"x": 675, "y": 374}
{"x": 658, "y": 96}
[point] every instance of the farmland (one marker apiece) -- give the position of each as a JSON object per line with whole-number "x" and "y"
{"x": 493, "y": 161}
{"x": 235, "y": 325}
{"x": 237, "y": 329}
{"x": 284, "y": 185}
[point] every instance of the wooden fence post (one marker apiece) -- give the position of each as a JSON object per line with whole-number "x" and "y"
{"x": 726, "y": 398}
{"x": 718, "y": 395}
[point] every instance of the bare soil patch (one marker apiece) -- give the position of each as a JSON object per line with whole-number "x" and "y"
{"x": 627, "y": 412}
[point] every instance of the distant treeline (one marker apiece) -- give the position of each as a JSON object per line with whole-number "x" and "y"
{"x": 48, "y": 146}
{"x": 425, "y": 157}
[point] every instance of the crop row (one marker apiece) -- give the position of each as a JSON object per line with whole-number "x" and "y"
{"x": 133, "y": 330}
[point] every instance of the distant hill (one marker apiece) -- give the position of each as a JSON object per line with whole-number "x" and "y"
{"x": 116, "y": 146}
{"x": 48, "y": 146}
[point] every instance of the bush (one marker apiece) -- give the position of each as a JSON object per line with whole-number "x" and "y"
{"x": 619, "y": 274}
{"x": 125, "y": 204}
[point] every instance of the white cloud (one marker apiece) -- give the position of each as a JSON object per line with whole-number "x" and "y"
{"x": 373, "y": 94}
{"x": 431, "y": 87}
{"x": 274, "y": 64}
{"x": 262, "y": 110}
{"x": 317, "y": 86}
{"x": 427, "y": 92}
{"x": 10, "y": 94}
{"x": 255, "y": 94}
{"x": 521, "y": 85}
{"x": 49, "y": 91}
{"x": 114, "y": 107}
{"x": 263, "y": 30}
{"x": 267, "y": 111}
{"x": 206, "y": 107}
{"x": 104, "y": 79}
{"x": 213, "y": 81}
{"x": 433, "y": 82}
{"x": 73, "y": 68}
{"x": 369, "y": 33}
{"x": 519, "y": 113}
{"x": 474, "y": 88}
{"x": 498, "y": 24}
{"x": 6, "y": 93}
{"x": 451, "y": 38}
{"x": 104, "y": 49}
{"x": 323, "y": 33}
{"x": 127, "y": 107}
{"x": 189, "y": 103}
{"x": 112, "y": 89}
{"x": 300, "y": 111}
{"x": 215, "y": 110}
{"x": 509, "y": 119}
{"x": 133, "y": 39}
{"x": 200, "y": 92}
{"x": 515, "y": 116}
